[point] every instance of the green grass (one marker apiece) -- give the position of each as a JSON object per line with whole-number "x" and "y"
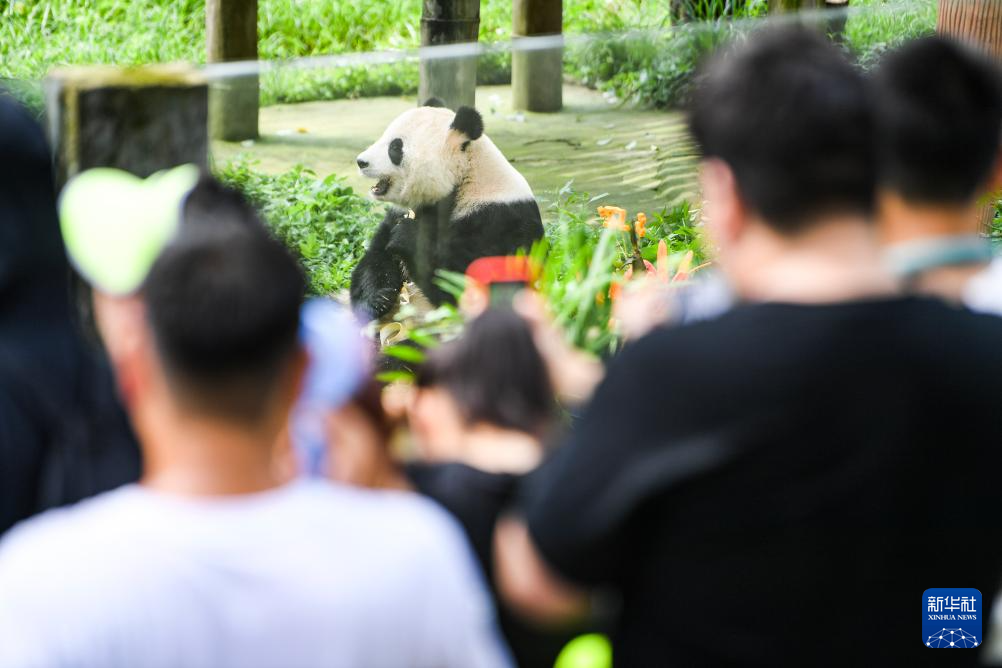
{"x": 995, "y": 226}
{"x": 325, "y": 223}
{"x": 656, "y": 68}
{"x": 882, "y": 25}
{"x": 36, "y": 35}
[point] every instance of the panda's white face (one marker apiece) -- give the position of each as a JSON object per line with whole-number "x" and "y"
{"x": 419, "y": 159}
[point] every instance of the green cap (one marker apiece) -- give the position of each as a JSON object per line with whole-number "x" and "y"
{"x": 115, "y": 224}
{"x": 592, "y": 650}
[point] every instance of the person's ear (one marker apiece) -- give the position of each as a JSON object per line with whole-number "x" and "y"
{"x": 121, "y": 322}
{"x": 724, "y": 209}
{"x": 468, "y": 125}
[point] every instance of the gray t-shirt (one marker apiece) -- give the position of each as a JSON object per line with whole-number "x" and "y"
{"x": 310, "y": 574}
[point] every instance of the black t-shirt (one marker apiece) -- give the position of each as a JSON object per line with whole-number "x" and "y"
{"x": 63, "y": 434}
{"x": 477, "y": 498}
{"x": 781, "y": 485}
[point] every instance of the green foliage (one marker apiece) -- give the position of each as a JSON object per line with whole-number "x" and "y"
{"x": 581, "y": 260}
{"x": 652, "y": 68}
{"x": 881, "y": 25}
{"x": 323, "y": 221}
{"x": 656, "y": 67}
{"x": 36, "y": 35}
{"x": 403, "y": 353}
{"x": 709, "y": 10}
{"x": 995, "y": 230}
{"x": 294, "y": 85}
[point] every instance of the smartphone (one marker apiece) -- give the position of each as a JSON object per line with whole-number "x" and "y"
{"x": 503, "y": 276}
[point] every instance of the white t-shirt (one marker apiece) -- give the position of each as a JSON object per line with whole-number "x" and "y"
{"x": 311, "y": 574}
{"x": 983, "y": 293}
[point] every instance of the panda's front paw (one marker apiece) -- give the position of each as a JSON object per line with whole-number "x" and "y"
{"x": 384, "y": 302}
{"x": 373, "y": 296}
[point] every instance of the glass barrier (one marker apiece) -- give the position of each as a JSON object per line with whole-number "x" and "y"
{"x": 618, "y": 139}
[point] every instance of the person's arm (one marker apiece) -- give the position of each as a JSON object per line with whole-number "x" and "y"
{"x": 574, "y": 373}
{"x": 566, "y": 507}
{"x": 527, "y": 582}
{"x": 581, "y": 508}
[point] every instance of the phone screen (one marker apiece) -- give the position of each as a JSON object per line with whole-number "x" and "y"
{"x": 502, "y": 293}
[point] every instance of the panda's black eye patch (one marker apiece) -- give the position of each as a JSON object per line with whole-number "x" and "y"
{"x": 396, "y": 151}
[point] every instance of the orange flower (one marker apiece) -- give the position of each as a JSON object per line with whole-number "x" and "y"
{"x": 614, "y": 217}
{"x": 615, "y": 289}
{"x": 640, "y": 227}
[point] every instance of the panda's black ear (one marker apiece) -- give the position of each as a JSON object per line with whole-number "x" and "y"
{"x": 469, "y": 121}
{"x": 433, "y": 102}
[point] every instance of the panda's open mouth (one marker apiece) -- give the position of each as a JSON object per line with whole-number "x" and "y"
{"x": 381, "y": 188}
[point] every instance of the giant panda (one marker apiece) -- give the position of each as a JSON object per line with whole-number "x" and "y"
{"x": 457, "y": 199}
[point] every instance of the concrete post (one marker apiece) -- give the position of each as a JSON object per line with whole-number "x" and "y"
{"x": 141, "y": 120}
{"x": 231, "y": 34}
{"x": 537, "y": 76}
{"x": 452, "y": 80}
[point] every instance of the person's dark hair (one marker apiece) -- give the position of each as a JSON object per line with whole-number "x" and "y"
{"x": 790, "y": 115}
{"x": 495, "y": 374}
{"x": 938, "y": 108}
{"x": 223, "y": 303}
{"x": 31, "y": 247}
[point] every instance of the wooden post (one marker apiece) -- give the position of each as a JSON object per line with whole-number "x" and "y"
{"x": 452, "y": 80}
{"x": 141, "y": 120}
{"x": 231, "y": 34}
{"x": 978, "y": 23}
{"x": 537, "y": 76}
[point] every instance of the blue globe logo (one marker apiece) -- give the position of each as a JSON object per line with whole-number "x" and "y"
{"x": 951, "y": 639}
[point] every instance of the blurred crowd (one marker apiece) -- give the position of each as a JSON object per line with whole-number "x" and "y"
{"x": 197, "y": 467}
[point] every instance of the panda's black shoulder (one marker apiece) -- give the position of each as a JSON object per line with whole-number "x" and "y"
{"x": 487, "y": 213}
{"x": 504, "y": 226}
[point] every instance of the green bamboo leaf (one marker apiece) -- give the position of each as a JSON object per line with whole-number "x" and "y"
{"x": 395, "y": 377}
{"x": 405, "y": 353}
